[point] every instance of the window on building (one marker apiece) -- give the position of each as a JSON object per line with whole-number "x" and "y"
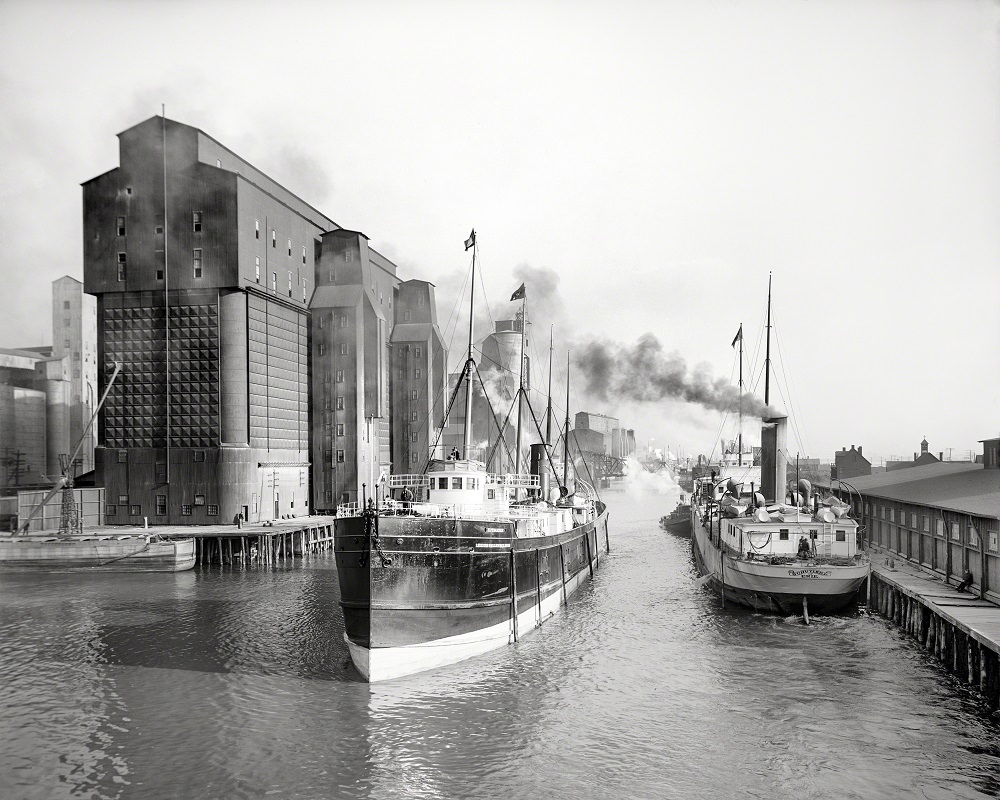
{"x": 274, "y": 239}
{"x": 340, "y": 376}
{"x": 303, "y": 254}
{"x": 123, "y": 499}
{"x": 213, "y": 510}
{"x": 121, "y": 266}
{"x": 256, "y": 231}
{"x": 342, "y": 320}
{"x": 289, "y": 248}
{"x": 913, "y": 519}
{"x": 66, "y": 344}
{"x": 185, "y": 511}
{"x": 274, "y": 281}
{"x": 417, "y": 352}
{"x": 925, "y": 523}
{"x": 406, "y": 316}
{"x": 414, "y": 437}
{"x": 161, "y": 504}
{"x": 420, "y": 300}
{"x": 841, "y": 536}
{"x": 413, "y": 417}
{"x": 343, "y": 348}
{"x": 121, "y": 226}
{"x": 321, "y": 321}
{"x": 289, "y": 284}
{"x": 159, "y": 273}
{"x": 326, "y": 379}
{"x": 135, "y": 511}
{"x": 199, "y": 456}
{"x": 340, "y": 456}
{"x": 348, "y": 255}
{"x": 413, "y": 458}
{"x": 76, "y": 373}
{"x": 196, "y": 261}
{"x": 327, "y": 456}
{"x": 973, "y": 536}
{"x": 333, "y": 275}
{"x": 158, "y": 230}
{"x": 66, "y": 322}
{"x": 340, "y": 429}
{"x": 304, "y": 292}
{"x": 122, "y": 456}
{"x": 994, "y": 536}
{"x": 955, "y": 534}
{"x": 196, "y": 221}
{"x": 256, "y": 270}
{"x": 199, "y": 499}
{"x": 939, "y": 527}
{"x": 110, "y": 510}
{"x": 416, "y": 373}
{"x": 340, "y": 404}
{"x": 322, "y": 349}
{"x": 413, "y": 394}
{"x": 128, "y": 190}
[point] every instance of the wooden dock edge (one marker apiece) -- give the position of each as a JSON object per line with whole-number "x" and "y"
{"x": 962, "y": 636}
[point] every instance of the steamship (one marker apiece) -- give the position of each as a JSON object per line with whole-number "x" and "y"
{"x": 771, "y": 550}
{"x": 783, "y": 557}
{"x": 457, "y": 560}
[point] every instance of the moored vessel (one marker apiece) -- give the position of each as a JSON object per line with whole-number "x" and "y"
{"x": 457, "y": 560}
{"x": 759, "y": 551}
{"x": 678, "y": 521}
{"x": 106, "y": 551}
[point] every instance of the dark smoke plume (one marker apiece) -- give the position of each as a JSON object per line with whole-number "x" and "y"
{"x": 645, "y": 373}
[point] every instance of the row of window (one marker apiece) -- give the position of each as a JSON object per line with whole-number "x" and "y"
{"x": 111, "y": 510}
{"x": 274, "y": 280}
{"x": 197, "y": 456}
{"x": 274, "y": 240}
{"x": 328, "y": 456}
{"x": 454, "y": 482}
{"x": 196, "y": 218}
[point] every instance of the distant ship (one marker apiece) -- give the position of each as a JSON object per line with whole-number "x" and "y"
{"x": 464, "y": 560}
{"x": 759, "y": 551}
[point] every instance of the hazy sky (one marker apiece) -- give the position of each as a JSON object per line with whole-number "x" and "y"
{"x": 645, "y": 164}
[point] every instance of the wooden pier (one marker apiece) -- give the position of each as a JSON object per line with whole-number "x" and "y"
{"x": 960, "y": 630}
{"x": 250, "y": 542}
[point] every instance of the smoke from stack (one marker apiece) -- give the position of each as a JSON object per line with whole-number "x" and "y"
{"x": 643, "y": 372}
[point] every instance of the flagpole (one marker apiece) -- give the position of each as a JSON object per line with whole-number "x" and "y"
{"x": 520, "y": 391}
{"x": 470, "y": 363}
{"x": 548, "y": 409}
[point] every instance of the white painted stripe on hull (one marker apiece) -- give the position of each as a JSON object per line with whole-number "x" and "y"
{"x": 386, "y": 663}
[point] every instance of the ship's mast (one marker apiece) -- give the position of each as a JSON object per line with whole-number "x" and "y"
{"x": 767, "y": 352}
{"x": 566, "y": 434}
{"x": 470, "y": 363}
{"x": 739, "y": 438}
{"x": 548, "y": 408}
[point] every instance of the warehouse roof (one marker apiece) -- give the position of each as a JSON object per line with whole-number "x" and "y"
{"x": 955, "y": 486}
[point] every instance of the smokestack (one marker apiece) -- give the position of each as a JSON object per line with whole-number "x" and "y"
{"x": 773, "y": 461}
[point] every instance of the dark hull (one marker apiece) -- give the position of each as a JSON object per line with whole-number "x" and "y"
{"x": 441, "y": 589}
{"x": 678, "y": 521}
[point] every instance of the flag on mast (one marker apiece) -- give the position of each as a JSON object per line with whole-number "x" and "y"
{"x": 518, "y": 294}
{"x": 739, "y": 336}
{"x": 471, "y": 241}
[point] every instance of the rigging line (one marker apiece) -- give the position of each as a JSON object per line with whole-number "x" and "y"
{"x": 794, "y": 414}
{"x": 453, "y": 319}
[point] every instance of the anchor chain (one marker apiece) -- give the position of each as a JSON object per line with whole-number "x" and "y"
{"x": 371, "y": 529}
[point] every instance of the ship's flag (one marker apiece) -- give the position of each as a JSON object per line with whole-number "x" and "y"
{"x": 738, "y": 337}
{"x": 519, "y": 293}
{"x": 471, "y": 241}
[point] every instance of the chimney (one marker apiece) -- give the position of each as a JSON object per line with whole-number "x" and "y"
{"x": 859, "y": 449}
{"x": 941, "y": 456}
{"x": 773, "y": 458}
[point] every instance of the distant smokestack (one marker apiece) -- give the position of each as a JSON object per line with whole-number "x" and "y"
{"x": 773, "y": 461}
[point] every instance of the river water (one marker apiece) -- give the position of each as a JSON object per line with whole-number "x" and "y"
{"x": 226, "y": 683}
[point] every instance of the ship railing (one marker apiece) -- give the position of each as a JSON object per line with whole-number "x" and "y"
{"x": 512, "y": 481}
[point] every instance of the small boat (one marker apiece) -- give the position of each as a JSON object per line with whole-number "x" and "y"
{"x": 71, "y": 548}
{"x": 678, "y": 521}
{"x": 773, "y": 550}
{"x": 106, "y": 552}
{"x": 463, "y": 560}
